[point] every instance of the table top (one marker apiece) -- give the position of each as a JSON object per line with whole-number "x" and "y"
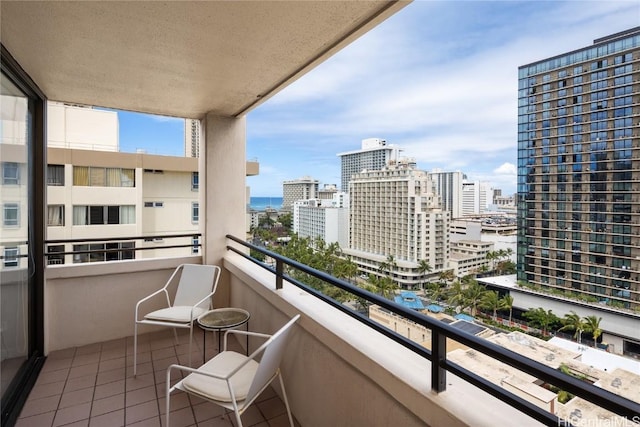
{"x": 223, "y": 318}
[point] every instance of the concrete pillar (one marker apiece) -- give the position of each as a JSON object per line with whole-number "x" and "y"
{"x": 222, "y": 200}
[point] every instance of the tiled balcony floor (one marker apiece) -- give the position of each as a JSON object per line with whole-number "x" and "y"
{"x": 94, "y": 386}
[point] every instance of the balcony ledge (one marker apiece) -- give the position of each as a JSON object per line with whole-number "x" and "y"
{"x": 386, "y": 384}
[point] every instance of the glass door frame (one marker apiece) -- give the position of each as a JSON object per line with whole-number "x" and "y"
{"x": 16, "y": 394}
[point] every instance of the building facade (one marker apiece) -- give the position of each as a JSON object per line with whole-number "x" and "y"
{"x": 191, "y": 138}
{"x": 326, "y": 219}
{"x": 578, "y": 172}
{"x": 298, "y": 189}
{"x": 395, "y": 212}
{"x": 476, "y": 196}
{"x": 449, "y": 187}
{"x": 374, "y": 154}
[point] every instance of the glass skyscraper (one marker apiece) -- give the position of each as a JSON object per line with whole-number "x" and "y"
{"x": 579, "y": 172}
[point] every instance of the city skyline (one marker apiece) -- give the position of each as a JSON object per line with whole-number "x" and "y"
{"x": 439, "y": 84}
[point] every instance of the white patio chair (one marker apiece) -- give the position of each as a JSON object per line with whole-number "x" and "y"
{"x": 193, "y": 297}
{"x": 233, "y": 380}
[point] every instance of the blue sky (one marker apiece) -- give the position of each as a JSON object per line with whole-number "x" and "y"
{"x": 438, "y": 79}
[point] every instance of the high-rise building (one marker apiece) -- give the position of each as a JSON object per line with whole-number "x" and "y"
{"x": 327, "y": 219}
{"x": 298, "y": 189}
{"x": 449, "y": 187}
{"x": 579, "y": 172}
{"x": 396, "y": 212}
{"x": 191, "y": 138}
{"x": 476, "y": 196}
{"x": 374, "y": 154}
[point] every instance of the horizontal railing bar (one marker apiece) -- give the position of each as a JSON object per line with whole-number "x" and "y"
{"x": 122, "y": 239}
{"x": 594, "y": 394}
{"x": 95, "y": 251}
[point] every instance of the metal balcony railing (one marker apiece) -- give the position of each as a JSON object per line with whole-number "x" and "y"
{"x": 440, "y": 331}
{"x": 123, "y": 239}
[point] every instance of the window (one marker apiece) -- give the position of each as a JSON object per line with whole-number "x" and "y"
{"x": 100, "y": 252}
{"x": 10, "y": 173}
{"x": 99, "y": 215}
{"x": 103, "y": 177}
{"x": 55, "y": 215}
{"x": 11, "y": 257}
{"x": 195, "y": 212}
{"x": 195, "y": 241}
{"x": 55, "y": 259}
{"x": 55, "y": 174}
{"x": 195, "y": 180}
{"x": 11, "y": 215}
{"x": 153, "y": 204}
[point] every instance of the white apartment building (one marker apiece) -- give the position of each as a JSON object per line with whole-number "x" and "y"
{"x": 449, "y": 187}
{"x": 191, "y": 138}
{"x": 327, "y": 192}
{"x": 499, "y": 229}
{"x": 374, "y": 154}
{"x": 469, "y": 256}
{"x": 298, "y": 189}
{"x": 327, "y": 219}
{"x": 395, "y": 211}
{"x": 95, "y": 192}
{"x": 476, "y": 197}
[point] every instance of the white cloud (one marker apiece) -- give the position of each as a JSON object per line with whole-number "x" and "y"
{"x": 506, "y": 169}
{"x": 439, "y": 79}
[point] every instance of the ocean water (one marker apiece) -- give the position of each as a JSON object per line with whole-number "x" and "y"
{"x": 261, "y": 203}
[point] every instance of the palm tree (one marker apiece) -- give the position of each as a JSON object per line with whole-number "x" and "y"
{"x": 592, "y": 325}
{"x": 541, "y": 317}
{"x": 383, "y": 285}
{"x": 446, "y": 276}
{"x": 423, "y": 268}
{"x": 473, "y": 296}
{"x": 573, "y": 322}
{"x": 491, "y": 301}
{"x": 435, "y": 291}
{"x": 507, "y": 303}
{"x": 492, "y": 256}
{"x": 455, "y": 294}
{"x": 387, "y": 266}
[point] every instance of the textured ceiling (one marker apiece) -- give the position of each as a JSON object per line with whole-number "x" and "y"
{"x": 175, "y": 58}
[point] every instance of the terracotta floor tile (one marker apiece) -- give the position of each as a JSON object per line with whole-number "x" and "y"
{"x": 141, "y": 395}
{"x": 108, "y": 404}
{"x": 41, "y": 420}
{"x": 109, "y": 389}
{"x": 76, "y": 397}
{"x": 40, "y": 406}
{"x": 72, "y": 414}
{"x": 111, "y": 419}
{"x": 141, "y": 412}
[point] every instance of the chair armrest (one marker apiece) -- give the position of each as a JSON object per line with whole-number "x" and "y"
{"x": 240, "y": 332}
{"x": 200, "y": 302}
{"x": 148, "y": 297}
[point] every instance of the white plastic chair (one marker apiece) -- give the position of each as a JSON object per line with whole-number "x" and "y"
{"x": 193, "y": 297}
{"x": 233, "y": 380}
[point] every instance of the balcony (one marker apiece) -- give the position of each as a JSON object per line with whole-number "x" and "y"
{"x": 337, "y": 371}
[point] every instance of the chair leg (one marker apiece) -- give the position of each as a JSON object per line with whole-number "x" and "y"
{"x": 175, "y": 335}
{"x": 190, "y": 341}
{"x": 168, "y": 396}
{"x": 238, "y": 420}
{"x": 286, "y": 401}
{"x": 135, "y": 348}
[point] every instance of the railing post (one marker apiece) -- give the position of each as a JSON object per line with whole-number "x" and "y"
{"x": 279, "y": 271}
{"x": 438, "y": 357}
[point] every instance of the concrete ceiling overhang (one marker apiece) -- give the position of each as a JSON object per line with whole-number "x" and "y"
{"x": 179, "y": 58}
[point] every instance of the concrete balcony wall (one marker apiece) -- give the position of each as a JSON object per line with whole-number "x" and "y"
{"x": 340, "y": 372}
{"x": 94, "y": 302}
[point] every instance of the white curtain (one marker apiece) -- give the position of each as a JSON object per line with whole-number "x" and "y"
{"x": 127, "y": 214}
{"x": 55, "y": 215}
{"x": 79, "y": 215}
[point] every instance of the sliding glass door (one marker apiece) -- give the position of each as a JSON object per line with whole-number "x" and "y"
{"x": 22, "y": 201}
